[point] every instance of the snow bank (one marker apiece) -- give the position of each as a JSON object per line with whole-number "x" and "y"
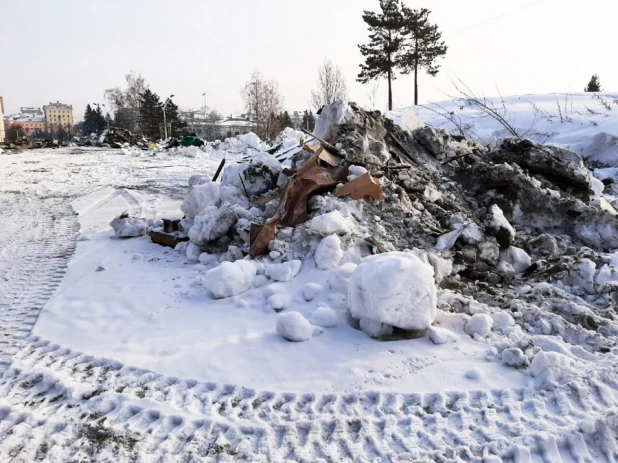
{"x": 395, "y": 288}
{"x": 292, "y": 326}
{"x": 230, "y": 278}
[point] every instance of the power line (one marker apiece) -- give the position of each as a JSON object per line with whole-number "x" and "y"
{"x": 494, "y": 18}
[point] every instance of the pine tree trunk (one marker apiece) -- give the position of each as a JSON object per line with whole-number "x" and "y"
{"x": 416, "y": 73}
{"x": 390, "y": 92}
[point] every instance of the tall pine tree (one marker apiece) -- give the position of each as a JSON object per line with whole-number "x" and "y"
{"x": 88, "y": 126}
{"x": 150, "y": 114}
{"x": 594, "y": 85}
{"x": 382, "y": 52}
{"x": 423, "y": 45}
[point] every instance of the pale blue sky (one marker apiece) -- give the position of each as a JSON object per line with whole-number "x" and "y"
{"x": 72, "y": 50}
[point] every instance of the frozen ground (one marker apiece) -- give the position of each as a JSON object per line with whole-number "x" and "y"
{"x": 112, "y": 352}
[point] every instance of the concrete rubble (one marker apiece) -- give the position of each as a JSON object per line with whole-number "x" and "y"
{"x": 518, "y": 229}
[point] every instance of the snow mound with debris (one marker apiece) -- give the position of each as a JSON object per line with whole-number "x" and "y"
{"x": 407, "y": 119}
{"x": 395, "y": 288}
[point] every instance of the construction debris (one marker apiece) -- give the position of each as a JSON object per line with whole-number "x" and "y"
{"x": 185, "y": 142}
{"x": 488, "y": 219}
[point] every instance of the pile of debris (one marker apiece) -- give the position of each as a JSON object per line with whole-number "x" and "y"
{"x": 117, "y": 138}
{"x": 513, "y": 232}
{"x": 185, "y": 142}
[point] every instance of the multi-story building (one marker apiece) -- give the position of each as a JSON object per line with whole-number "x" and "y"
{"x": 2, "y": 134}
{"x": 31, "y": 111}
{"x": 58, "y": 115}
{"x": 31, "y": 125}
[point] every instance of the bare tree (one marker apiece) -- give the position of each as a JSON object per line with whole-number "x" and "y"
{"x": 263, "y": 102}
{"x": 331, "y": 85}
{"x": 125, "y": 104}
{"x": 372, "y": 93}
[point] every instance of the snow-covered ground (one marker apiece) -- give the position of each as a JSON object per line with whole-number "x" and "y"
{"x": 114, "y": 351}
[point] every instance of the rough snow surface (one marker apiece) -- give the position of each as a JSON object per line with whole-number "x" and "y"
{"x": 395, "y": 288}
{"x": 479, "y": 325}
{"x": 284, "y": 271}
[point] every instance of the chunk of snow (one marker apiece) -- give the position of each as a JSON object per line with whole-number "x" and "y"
{"x": 284, "y": 271}
{"x": 199, "y": 198}
{"x": 502, "y": 320}
{"x": 208, "y": 259}
{"x": 514, "y": 357}
{"x": 355, "y": 172}
{"x": 448, "y": 240}
{"x": 212, "y": 223}
{"x": 582, "y": 274}
{"x": 311, "y": 290}
{"x": 129, "y": 227}
{"x": 395, "y": 288}
{"x": 406, "y": 118}
{"x": 325, "y": 317}
{"x": 497, "y": 225}
{"x": 480, "y": 324}
{"x": 439, "y": 335}
{"x": 551, "y": 366}
{"x": 339, "y": 279}
{"x": 230, "y": 278}
{"x": 375, "y": 329}
{"x": 517, "y": 258}
{"x": 330, "y": 223}
{"x": 234, "y": 195}
{"x": 329, "y": 253}
{"x": 198, "y": 180}
{"x": 292, "y": 326}
{"x": 193, "y": 253}
{"x": 331, "y": 116}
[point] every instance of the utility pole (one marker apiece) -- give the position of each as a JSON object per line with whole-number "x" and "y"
{"x": 165, "y": 117}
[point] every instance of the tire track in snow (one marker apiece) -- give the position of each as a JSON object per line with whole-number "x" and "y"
{"x": 40, "y": 239}
{"x": 165, "y": 419}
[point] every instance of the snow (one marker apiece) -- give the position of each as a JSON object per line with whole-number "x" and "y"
{"x": 129, "y": 227}
{"x": 439, "y": 335}
{"x": 479, "y": 325}
{"x": 497, "y": 223}
{"x": 517, "y": 258}
{"x": 394, "y": 288}
{"x": 330, "y": 223}
{"x": 230, "y": 278}
{"x": 212, "y": 223}
{"x": 514, "y": 357}
{"x": 284, "y": 271}
{"x": 167, "y": 338}
{"x": 329, "y": 253}
{"x": 407, "y": 119}
{"x": 332, "y": 115}
{"x": 201, "y": 196}
{"x": 325, "y": 317}
{"x": 355, "y": 172}
{"x": 292, "y": 326}
{"x": 551, "y": 366}
{"x": 257, "y": 176}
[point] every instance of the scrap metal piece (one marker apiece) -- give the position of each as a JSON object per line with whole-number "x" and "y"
{"x": 362, "y": 186}
{"x": 167, "y": 239}
{"x": 311, "y": 179}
